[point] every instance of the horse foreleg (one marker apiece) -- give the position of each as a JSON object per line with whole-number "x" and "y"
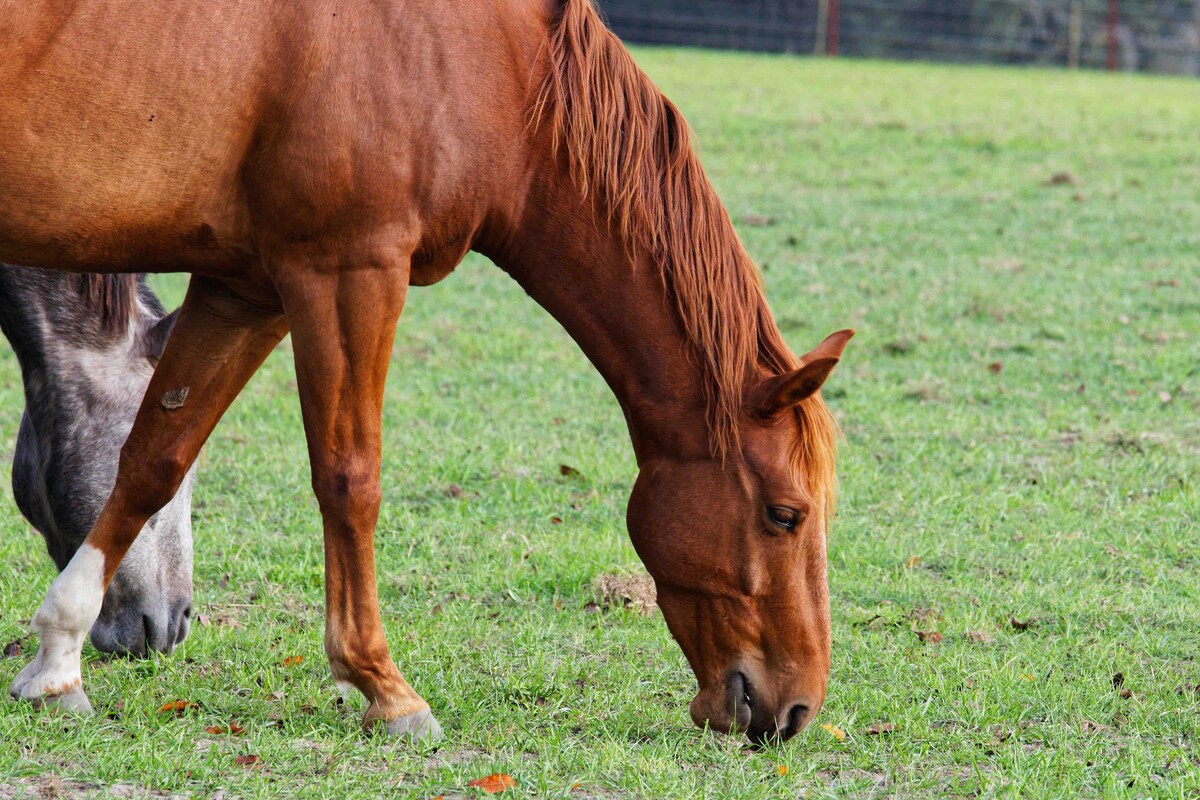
{"x": 343, "y": 325}
{"x": 218, "y": 342}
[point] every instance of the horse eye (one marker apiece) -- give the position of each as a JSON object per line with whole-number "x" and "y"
{"x": 786, "y": 518}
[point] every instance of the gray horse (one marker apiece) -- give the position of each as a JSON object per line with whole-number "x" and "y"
{"x": 87, "y": 345}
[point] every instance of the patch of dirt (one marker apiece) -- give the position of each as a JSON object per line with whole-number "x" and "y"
{"x": 49, "y": 787}
{"x": 627, "y": 591}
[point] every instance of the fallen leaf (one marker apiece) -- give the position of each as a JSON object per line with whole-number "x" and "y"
{"x": 454, "y": 490}
{"x": 233, "y": 729}
{"x": 899, "y": 347}
{"x": 567, "y": 471}
{"x": 929, "y": 637}
{"x": 1018, "y": 624}
{"x": 292, "y": 661}
{"x": 1165, "y": 397}
{"x": 1125, "y": 694}
{"x": 575, "y": 786}
{"x": 758, "y": 220}
{"x": 1027, "y": 677}
{"x": 912, "y": 561}
{"x": 176, "y": 707}
{"x": 781, "y": 769}
{"x": 1087, "y": 726}
{"x": 203, "y": 620}
{"x": 12, "y": 649}
{"x": 996, "y": 367}
{"x": 880, "y": 728}
{"x": 1118, "y": 680}
{"x": 277, "y": 694}
{"x": 837, "y": 733}
{"x": 247, "y": 760}
{"x": 494, "y": 784}
{"x": 591, "y": 608}
{"x": 979, "y": 636}
{"x": 556, "y": 520}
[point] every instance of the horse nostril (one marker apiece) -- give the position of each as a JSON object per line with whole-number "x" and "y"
{"x": 796, "y": 719}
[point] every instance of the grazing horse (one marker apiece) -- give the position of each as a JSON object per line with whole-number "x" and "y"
{"x": 309, "y": 160}
{"x": 87, "y": 345}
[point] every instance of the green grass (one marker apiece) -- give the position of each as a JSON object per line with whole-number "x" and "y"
{"x": 908, "y": 201}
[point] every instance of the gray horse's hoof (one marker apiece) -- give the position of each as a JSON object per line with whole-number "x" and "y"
{"x": 420, "y": 727}
{"x": 75, "y": 702}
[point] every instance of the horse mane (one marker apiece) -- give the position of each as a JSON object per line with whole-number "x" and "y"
{"x": 630, "y": 149}
{"x": 111, "y": 297}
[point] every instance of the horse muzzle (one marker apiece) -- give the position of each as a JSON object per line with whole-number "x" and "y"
{"x": 738, "y": 705}
{"x": 139, "y": 629}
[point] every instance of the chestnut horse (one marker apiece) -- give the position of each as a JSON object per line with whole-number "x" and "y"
{"x": 309, "y": 160}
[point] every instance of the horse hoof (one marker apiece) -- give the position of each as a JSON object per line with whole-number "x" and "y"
{"x": 420, "y": 727}
{"x": 75, "y": 702}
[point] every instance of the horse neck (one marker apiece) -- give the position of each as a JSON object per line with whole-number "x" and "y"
{"x": 610, "y": 297}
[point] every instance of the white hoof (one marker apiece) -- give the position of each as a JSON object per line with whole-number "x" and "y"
{"x": 420, "y": 727}
{"x": 40, "y": 681}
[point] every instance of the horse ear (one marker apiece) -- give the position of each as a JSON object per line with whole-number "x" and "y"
{"x": 777, "y": 395}
{"x": 832, "y": 347}
{"x": 155, "y": 338}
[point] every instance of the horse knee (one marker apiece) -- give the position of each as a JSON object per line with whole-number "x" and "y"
{"x": 346, "y": 490}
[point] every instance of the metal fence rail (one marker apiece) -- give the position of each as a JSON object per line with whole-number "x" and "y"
{"x": 1133, "y": 35}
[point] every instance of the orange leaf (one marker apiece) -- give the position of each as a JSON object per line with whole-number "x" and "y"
{"x": 219, "y": 730}
{"x": 781, "y": 769}
{"x": 247, "y": 760}
{"x": 929, "y": 637}
{"x": 912, "y": 561}
{"x": 176, "y": 707}
{"x": 880, "y": 729}
{"x": 292, "y": 661}
{"x": 837, "y": 733}
{"x": 494, "y": 784}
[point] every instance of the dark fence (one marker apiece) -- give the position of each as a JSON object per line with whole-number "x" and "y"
{"x": 1147, "y": 35}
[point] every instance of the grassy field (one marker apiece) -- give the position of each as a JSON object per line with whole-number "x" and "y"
{"x": 1021, "y": 475}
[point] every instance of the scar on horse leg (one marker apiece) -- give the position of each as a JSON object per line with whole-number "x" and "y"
{"x": 217, "y": 344}
{"x": 342, "y": 360}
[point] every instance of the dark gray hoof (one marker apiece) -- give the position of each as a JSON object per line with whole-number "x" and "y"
{"x": 420, "y": 727}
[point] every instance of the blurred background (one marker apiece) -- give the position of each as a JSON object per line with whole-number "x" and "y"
{"x": 1161, "y": 36}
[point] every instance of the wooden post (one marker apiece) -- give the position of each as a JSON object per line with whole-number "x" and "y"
{"x": 1075, "y": 34}
{"x": 1114, "y": 15}
{"x": 831, "y": 45}
{"x": 822, "y": 27}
